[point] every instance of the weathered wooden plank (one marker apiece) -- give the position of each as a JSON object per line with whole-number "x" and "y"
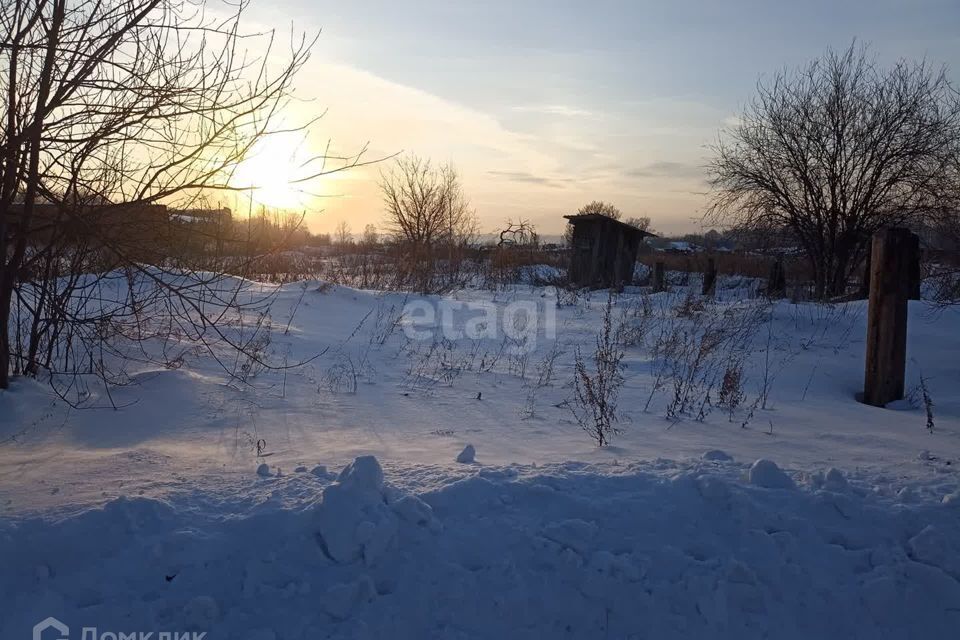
{"x": 659, "y": 276}
{"x": 892, "y": 253}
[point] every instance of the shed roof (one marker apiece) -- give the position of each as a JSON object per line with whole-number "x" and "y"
{"x": 578, "y": 218}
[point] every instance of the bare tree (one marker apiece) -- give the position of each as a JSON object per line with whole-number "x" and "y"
{"x": 602, "y": 208}
{"x": 521, "y": 233}
{"x": 343, "y": 233}
{"x": 370, "y": 236}
{"x": 430, "y": 218}
{"x": 112, "y": 110}
{"x": 943, "y": 236}
{"x": 837, "y": 150}
{"x": 640, "y": 222}
{"x": 425, "y": 204}
{"x": 566, "y": 239}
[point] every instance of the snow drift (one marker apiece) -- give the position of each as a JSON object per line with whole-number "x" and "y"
{"x": 662, "y": 550}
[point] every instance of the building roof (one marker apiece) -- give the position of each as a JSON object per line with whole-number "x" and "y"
{"x": 578, "y": 218}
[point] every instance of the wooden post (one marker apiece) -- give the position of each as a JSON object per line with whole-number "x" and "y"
{"x": 622, "y": 269}
{"x": 709, "y": 278}
{"x": 777, "y": 283}
{"x": 659, "y": 276}
{"x": 886, "y": 359}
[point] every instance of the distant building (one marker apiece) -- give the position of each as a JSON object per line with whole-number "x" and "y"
{"x": 682, "y": 246}
{"x": 603, "y": 250}
{"x": 146, "y": 231}
{"x": 214, "y": 217}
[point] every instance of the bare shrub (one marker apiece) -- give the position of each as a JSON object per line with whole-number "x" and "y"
{"x": 546, "y": 366}
{"x": 250, "y": 361}
{"x": 529, "y": 408}
{"x": 927, "y": 403}
{"x": 545, "y": 373}
{"x": 441, "y": 362}
{"x": 341, "y": 376}
{"x": 693, "y": 352}
{"x": 596, "y": 387}
{"x": 634, "y": 322}
{"x": 731, "y": 388}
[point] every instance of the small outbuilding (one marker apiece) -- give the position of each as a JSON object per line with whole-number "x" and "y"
{"x": 603, "y": 251}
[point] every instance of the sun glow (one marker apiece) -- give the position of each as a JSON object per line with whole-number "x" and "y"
{"x": 272, "y": 171}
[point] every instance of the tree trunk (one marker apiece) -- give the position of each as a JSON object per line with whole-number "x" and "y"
{"x": 6, "y": 293}
{"x": 836, "y": 274}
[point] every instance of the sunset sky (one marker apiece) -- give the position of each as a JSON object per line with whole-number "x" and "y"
{"x": 544, "y": 106}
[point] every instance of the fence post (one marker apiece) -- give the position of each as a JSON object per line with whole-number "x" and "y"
{"x": 709, "y": 278}
{"x": 892, "y": 254}
{"x": 777, "y": 283}
{"x": 659, "y": 276}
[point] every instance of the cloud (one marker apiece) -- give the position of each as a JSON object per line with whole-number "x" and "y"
{"x": 536, "y": 170}
{"x": 529, "y": 178}
{"x": 554, "y": 110}
{"x": 732, "y": 121}
{"x": 667, "y": 169}
{"x": 397, "y": 118}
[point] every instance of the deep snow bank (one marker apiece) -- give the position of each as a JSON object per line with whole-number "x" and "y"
{"x": 699, "y": 550}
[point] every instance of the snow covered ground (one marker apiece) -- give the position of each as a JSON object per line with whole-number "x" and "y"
{"x": 219, "y": 506}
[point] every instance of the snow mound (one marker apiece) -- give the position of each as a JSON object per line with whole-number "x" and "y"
{"x": 937, "y": 548}
{"x": 354, "y": 520}
{"x": 468, "y": 455}
{"x": 716, "y": 455}
{"x": 263, "y": 470}
{"x": 320, "y": 471}
{"x": 766, "y": 473}
{"x": 414, "y": 510}
{"x": 831, "y": 480}
{"x": 363, "y": 473}
{"x": 359, "y": 517}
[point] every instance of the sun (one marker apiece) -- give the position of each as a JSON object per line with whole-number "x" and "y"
{"x": 272, "y": 169}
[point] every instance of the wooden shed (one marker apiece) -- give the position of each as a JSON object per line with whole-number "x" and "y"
{"x": 603, "y": 251}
